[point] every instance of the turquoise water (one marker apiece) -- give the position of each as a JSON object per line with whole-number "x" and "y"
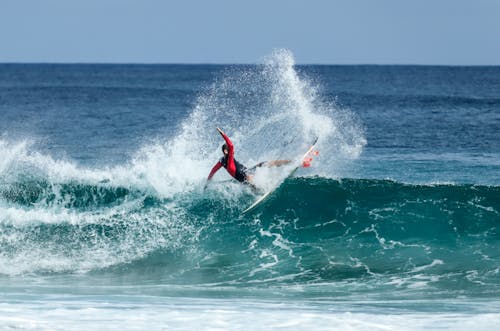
{"x": 104, "y": 222}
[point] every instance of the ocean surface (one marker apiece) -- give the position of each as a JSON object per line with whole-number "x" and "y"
{"x": 105, "y": 223}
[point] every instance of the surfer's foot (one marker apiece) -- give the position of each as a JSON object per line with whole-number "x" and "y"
{"x": 254, "y": 188}
{"x": 248, "y": 181}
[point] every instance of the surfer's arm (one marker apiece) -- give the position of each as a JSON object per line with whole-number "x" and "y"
{"x": 216, "y": 167}
{"x": 229, "y": 143}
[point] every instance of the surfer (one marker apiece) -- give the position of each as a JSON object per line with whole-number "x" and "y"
{"x": 237, "y": 170}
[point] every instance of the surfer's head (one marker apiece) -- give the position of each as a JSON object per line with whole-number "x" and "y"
{"x": 225, "y": 149}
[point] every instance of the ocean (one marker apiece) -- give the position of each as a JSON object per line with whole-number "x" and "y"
{"x": 105, "y": 223}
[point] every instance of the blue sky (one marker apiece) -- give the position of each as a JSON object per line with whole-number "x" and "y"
{"x": 450, "y": 32}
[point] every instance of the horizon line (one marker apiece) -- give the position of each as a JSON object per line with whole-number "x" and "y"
{"x": 241, "y": 63}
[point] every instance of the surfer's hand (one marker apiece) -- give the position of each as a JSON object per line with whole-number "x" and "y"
{"x": 220, "y": 131}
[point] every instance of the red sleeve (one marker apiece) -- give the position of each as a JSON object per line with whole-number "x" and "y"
{"x": 216, "y": 167}
{"x": 231, "y": 166}
{"x": 229, "y": 144}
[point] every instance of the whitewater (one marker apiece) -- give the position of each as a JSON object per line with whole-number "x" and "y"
{"x": 105, "y": 223}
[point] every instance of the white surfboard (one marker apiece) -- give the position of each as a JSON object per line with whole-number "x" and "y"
{"x": 265, "y": 195}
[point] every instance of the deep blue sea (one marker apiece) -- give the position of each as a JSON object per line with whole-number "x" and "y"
{"x": 105, "y": 223}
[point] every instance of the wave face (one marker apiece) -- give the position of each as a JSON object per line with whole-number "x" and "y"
{"x": 312, "y": 231}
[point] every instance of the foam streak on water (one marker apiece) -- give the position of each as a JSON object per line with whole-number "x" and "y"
{"x": 127, "y": 313}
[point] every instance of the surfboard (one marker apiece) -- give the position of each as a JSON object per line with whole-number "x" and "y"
{"x": 292, "y": 172}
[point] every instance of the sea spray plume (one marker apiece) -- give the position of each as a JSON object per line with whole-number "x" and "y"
{"x": 340, "y": 131}
{"x": 269, "y": 111}
{"x": 294, "y": 96}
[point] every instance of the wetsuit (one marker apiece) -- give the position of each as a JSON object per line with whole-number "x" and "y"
{"x": 237, "y": 170}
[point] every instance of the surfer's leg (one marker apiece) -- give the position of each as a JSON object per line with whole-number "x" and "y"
{"x": 274, "y": 163}
{"x": 277, "y": 163}
{"x": 248, "y": 181}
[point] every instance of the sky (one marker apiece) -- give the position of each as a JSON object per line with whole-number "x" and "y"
{"x": 443, "y": 32}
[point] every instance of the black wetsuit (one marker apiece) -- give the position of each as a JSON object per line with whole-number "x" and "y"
{"x": 241, "y": 171}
